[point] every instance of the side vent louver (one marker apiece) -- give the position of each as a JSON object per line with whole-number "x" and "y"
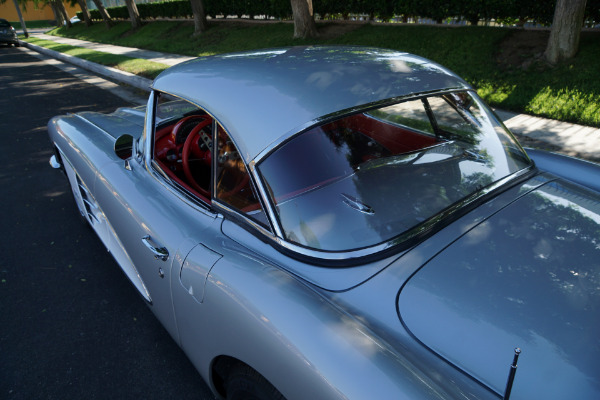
{"x": 88, "y": 200}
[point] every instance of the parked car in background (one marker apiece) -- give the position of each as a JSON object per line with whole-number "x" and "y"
{"x": 8, "y": 35}
{"x": 345, "y": 223}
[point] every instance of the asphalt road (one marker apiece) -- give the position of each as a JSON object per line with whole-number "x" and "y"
{"x": 71, "y": 324}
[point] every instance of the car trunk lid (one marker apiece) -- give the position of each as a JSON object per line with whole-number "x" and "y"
{"x": 528, "y": 277}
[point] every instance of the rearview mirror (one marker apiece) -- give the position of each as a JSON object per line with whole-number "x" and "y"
{"x": 124, "y": 146}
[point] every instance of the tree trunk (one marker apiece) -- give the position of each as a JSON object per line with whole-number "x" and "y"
{"x": 21, "y": 19}
{"x": 304, "y": 23}
{"x": 200, "y": 24}
{"x": 57, "y": 15}
{"x": 60, "y": 7}
{"x": 86, "y": 14}
{"x": 134, "y": 14}
{"x": 105, "y": 15}
{"x": 566, "y": 30}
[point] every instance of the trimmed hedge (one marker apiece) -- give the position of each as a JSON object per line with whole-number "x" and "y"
{"x": 280, "y": 9}
{"x": 509, "y": 11}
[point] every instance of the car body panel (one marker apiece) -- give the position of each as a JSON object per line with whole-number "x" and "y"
{"x": 527, "y": 277}
{"x": 245, "y": 322}
{"x": 81, "y": 154}
{"x": 224, "y": 287}
{"x": 340, "y": 278}
{"x": 574, "y": 169}
{"x": 146, "y": 218}
{"x": 123, "y": 120}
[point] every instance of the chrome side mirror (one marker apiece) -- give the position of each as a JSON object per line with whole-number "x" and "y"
{"x": 124, "y": 147}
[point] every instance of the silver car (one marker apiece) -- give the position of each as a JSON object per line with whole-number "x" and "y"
{"x": 345, "y": 223}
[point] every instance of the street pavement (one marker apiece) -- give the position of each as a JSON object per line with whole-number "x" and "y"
{"x": 71, "y": 324}
{"x": 571, "y": 139}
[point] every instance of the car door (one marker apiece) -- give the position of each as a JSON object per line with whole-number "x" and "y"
{"x": 156, "y": 219}
{"x": 155, "y": 226}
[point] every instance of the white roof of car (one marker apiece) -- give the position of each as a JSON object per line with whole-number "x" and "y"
{"x": 263, "y": 97}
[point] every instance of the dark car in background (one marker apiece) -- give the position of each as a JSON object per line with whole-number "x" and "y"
{"x": 8, "y": 34}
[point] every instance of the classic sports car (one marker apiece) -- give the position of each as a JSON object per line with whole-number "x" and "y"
{"x": 345, "y": 223}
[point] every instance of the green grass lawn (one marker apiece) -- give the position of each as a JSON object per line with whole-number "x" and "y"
{"x": 568, "y": 92}
{"x": 136, "y": 66}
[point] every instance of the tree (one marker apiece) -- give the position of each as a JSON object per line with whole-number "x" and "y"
{"x": 86, "y": 14}
{"x": 60, "y": 12}
{"x": 21, "y": 18}
{"x": 105, "y": 15}
{"x": 566, "y": 30}
{"x": 304, "y": 22}
{"x": 200, "y": 24}
{"x": 60, "y": 21}
{"x": 134, "y": 14}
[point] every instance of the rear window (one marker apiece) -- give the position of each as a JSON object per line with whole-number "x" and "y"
{"x": 368, "y": 178}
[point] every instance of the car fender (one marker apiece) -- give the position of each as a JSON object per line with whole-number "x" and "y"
{"x": 84, "y": 145}
{"x": 279, "y": 325}
{"x": 576, "y": 170}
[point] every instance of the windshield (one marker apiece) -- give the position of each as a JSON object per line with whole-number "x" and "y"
{"x": 368, "y": 178}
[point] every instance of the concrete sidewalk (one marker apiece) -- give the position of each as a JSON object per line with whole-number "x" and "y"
{"x": 572, "y": 139}
{"x": 163, "y": 58}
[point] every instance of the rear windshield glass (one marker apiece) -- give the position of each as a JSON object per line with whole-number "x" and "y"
{"x": 368, "y": 178}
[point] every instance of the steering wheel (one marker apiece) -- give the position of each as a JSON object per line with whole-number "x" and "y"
{"x": 232, "y": 167}
{"x": 184, "y": 126}
{"x": 192, "y": 139}
{"x": 242, "y": 180}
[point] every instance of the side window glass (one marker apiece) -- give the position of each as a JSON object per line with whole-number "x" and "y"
{"x": 450, "y": 120}
{"x": 233, "y": 183}
{"x": 410, "y": 114}
{"x": 183, "y": 143}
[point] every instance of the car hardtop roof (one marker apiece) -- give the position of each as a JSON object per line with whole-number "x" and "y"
{"x": 265, "y": 96}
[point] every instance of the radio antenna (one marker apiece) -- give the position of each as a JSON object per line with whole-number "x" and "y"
{"x": 511, "y": 374}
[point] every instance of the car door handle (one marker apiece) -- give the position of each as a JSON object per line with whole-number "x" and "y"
{"x": 160, "y": 253}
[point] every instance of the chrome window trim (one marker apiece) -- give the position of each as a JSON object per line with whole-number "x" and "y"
{"x": 185, "y": 196}
{"x": 156, "y": 172}
{"x": 266, "y": 203}
{"x": 225, "y": 209}
{"x": 254, "y": 182}
{"x": 148, "y": 133}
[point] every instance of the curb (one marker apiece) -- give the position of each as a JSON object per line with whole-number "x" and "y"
{"x": 127, "y": 78}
